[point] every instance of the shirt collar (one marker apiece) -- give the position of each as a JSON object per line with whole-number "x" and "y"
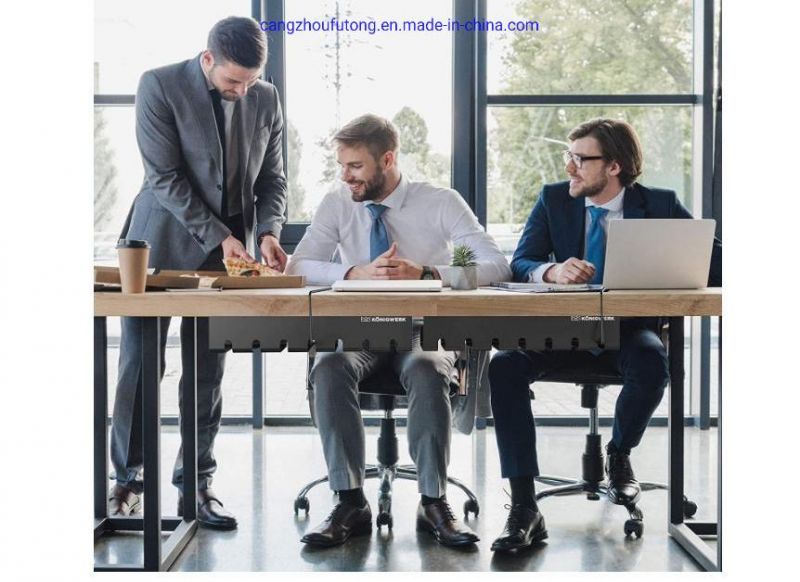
{"x": 613, "y": 205}
{"x": 396, "y": 198}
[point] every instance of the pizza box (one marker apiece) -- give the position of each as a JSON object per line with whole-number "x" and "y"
{"x": 276, "y": 282}
{"x": 174, "y": 279}
{"x": 159, "y": 280}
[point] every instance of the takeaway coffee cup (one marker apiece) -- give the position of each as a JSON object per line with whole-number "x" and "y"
{"x": 133, "y": 255}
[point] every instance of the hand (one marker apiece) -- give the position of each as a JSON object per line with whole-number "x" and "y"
{"x": 386, "y": 267}
{"x": 570, "y": 271}
{"x": 273, "y": 254}
{"x": 232, "y": 247}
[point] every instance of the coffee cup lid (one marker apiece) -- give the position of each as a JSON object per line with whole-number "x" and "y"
{"x": 129, "y": 243}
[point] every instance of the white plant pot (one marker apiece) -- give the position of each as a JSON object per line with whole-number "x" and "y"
{"x": 463, "y": 278}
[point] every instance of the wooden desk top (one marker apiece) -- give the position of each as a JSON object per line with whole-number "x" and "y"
{"x": 482, "y": 302}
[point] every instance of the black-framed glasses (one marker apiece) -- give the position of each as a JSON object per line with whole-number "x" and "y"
{"x": 577, "y": 159}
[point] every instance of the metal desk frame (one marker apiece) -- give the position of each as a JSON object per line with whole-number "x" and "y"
{"x": 157, "y": 557}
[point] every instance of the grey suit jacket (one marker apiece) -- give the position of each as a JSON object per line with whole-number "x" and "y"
{"x": 178, "y": 208}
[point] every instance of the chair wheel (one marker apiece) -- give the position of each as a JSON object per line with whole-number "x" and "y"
{"x": 593, "y": 496}
{"x": 634, "y": 527}
{"x": 689, "y": 508}
{"x": 471, "y": 505}
{"x": 384, "y": 519}
{"x": 301, "y": 503}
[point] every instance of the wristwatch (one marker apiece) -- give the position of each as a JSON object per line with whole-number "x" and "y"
{"x": 427, "y": 273}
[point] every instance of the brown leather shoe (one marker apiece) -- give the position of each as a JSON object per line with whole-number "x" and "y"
{"x": 342, "y": 523}
{"x": 438, "y": 519}
{"x": 122, "y": 501}
{"x": 210, "y": 512}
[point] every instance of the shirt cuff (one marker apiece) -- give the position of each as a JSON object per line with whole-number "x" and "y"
{"x": 537, "y": 275}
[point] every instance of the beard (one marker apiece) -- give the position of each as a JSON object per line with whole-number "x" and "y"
{"x": 590, "y": 190}
{"x": 229, "y": 96}
{"x": 373, "y": 189}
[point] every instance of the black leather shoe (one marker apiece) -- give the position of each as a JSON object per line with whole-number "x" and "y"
{"x": 623, "y": 488}
{"x": 342, "y": 523}
{"x": 122, "y": 501}
{"x": 210, "y": 512}
{"x": 524, "y": 527}
{"x": 438, "y": 519}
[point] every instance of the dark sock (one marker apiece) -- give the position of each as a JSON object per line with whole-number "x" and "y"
{"x": 523, "y": 492}
{"x": 428, "y": 500}
{"x": 354, "y": 497}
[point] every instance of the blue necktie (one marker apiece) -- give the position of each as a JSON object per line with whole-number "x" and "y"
{"x": 378, "y": 237}
{"x": 596, "y": 243}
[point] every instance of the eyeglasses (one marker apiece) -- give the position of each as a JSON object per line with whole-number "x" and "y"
{"x": 577, "y": 159}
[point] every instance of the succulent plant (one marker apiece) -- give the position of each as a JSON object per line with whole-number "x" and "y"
{"x": 463, "y": 256}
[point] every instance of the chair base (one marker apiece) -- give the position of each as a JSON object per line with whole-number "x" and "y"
{"x": 387, "y": 475}
{"x": 634, "y": 525}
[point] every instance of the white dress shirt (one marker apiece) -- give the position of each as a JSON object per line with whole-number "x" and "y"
{"x": 425, "y": 221}
{"x": 615, "y": 212}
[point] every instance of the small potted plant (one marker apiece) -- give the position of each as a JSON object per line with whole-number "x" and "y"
{"x": 464, "y": 271}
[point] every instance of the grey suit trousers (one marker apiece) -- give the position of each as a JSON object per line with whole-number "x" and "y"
{"x": 126, "y": 423}
{"x": 426, "y": 378}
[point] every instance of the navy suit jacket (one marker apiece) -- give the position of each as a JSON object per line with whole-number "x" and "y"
{"x": 556, "y": 227}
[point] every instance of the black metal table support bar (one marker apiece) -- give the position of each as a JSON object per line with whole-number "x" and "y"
{"x": 157, "y": 557}
{"x": 100, "y": 417}
{"x": 151, "y": 441}
{"x": 694, "y": 545}
{"x": 687, "y": 535}
{"x": 189, "y": 426}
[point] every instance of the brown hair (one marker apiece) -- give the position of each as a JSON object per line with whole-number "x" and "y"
{"x": 377, "y": 134}
{"x": 239, "y": 40}
{"x": 618, "y": 142}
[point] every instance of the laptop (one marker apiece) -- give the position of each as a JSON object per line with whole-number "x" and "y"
{"x": 388, "y": 285}
{"x": 658, "y": 253}
{"x": 646, "y": 253}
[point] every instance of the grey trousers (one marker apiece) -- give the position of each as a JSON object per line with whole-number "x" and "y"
{"x": 425, "y": 376}
{"x": 126, "y": 422}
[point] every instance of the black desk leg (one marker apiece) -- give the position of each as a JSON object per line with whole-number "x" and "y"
{"x": 157, "y": 557}
{"x": 151, "y": 437}
{"x": 686, "y": 534}
{"x": 189, "y": 425}
{"x": 100, "y": 420}
{"x": 676, "y": 404}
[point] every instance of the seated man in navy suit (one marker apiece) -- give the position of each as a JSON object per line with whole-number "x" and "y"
{"x": 564, "y": 242}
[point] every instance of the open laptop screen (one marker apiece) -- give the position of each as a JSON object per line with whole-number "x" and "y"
{"x": 658, "y": 253}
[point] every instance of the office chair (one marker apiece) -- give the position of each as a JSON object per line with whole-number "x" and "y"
{"x": 592, "y": 481}
{"x": 383, "y": 391}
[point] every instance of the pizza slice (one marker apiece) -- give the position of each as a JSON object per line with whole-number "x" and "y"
{"x": 241, "y": 268}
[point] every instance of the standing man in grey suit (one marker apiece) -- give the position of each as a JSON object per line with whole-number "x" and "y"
{"x": 209, "y": 131}
{"x": 385, "y": 226}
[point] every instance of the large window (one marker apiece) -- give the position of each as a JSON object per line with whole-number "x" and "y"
{"x": 592, "y": 47}
{"x": 333, "y": 76}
